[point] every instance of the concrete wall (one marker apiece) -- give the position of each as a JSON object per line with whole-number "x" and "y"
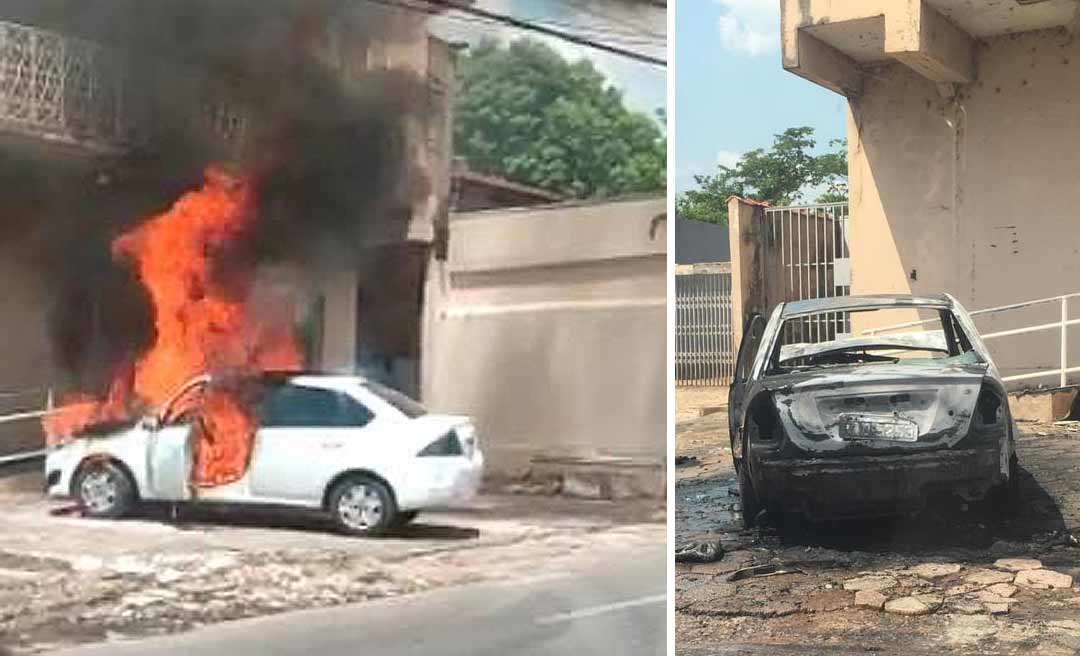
{"x": 974, "y": 194}
{"x": 548, "y": 326}
{"x": 26, "y": 354}
{"x": 699, "y": 241}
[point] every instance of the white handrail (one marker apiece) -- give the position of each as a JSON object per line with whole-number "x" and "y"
{"x": 1063, "y": 325}
{"x": 23, "y": 415}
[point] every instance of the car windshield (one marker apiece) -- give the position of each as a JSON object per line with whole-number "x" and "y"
{"x": 407, "y": 406}
{"x": 910, "y": 335}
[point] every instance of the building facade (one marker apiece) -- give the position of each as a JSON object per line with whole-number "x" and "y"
{"x": 961, "y": 124}
{"x": 108, "y": 114}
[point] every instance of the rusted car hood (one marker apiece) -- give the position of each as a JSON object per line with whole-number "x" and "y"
{"x": 939, "y": 399}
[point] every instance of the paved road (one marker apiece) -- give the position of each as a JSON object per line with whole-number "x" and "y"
{"x": 604, "y": 603}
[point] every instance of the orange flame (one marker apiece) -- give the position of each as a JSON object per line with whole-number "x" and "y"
{"x": 223, "y": 440}
{"x": 202, "y": 322}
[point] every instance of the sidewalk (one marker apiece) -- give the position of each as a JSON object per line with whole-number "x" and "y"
{"x": 67, "y": 580}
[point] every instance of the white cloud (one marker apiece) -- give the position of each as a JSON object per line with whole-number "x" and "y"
{"x": 750, "y": 27}
{"x": 728, "y": 158}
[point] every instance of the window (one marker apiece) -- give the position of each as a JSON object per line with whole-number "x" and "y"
{"x": 402, "y": 403}
{"x": 293, "y": 405}
{"x": 184, "y": 408}
{"x": 909, "y": 335}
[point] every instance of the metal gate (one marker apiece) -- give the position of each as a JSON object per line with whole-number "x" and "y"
{"x": 814, "y": 261}
{"x": 703, "y": 336}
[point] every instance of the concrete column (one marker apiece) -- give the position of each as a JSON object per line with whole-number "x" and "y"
{"x": 750, "y": 282}
{"x": 340, "y": 324}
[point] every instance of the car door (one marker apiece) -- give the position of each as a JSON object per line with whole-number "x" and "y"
{"x": 744, "y": 363}
{"x": 170, "y": 454}
{"x": 302, "y": 437}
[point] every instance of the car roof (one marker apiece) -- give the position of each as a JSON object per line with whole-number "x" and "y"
{"x": 299, "y": 377}
{"x": 864, "y": 302}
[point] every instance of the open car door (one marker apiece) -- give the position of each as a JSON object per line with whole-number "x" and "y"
{"x": 748, "y": 348}
{"x": 169, "y": 443}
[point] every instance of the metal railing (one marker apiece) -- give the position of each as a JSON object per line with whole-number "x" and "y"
{"x": 1062, "y": 325}
{"x": 811, "y": 247}
{"x": 62, "y": 89}
{"x": 23, "y": 416}
{"x": 704, "y": 353}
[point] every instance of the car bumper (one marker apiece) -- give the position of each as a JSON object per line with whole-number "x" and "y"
{"x": 867, "y": 486}
{"x": 60, "y": 464}
{"x": 453, "y": 484}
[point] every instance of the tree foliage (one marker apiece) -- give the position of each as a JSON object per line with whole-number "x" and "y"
{"x": 778, "y": 176}
{"x": 527, "y": 114}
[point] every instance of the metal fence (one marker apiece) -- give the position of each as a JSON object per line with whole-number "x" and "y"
{"x": 1061, "y": 327}
{"x": 811, "y": 242}
{"x": 704, "y": 353}
{"x": 21, "y": 410}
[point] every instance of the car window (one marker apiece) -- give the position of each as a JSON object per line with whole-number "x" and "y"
{"x": 295, "y": 406}
{"x": 184, "y": 408}
{"x": 748, "y": 348}
{"x": 404, "y": 404}
{"x": 910, "y": 335}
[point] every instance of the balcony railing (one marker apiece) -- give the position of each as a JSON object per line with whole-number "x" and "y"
{"x": 62, "y": 89}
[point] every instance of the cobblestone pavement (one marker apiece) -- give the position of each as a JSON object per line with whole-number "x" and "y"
{"x": 66, "y": 580}
{"x": 935, "y": 583}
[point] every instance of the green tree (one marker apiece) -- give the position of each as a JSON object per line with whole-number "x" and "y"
{"x": 525, "y": 113}
{"x": 778, "y": 176}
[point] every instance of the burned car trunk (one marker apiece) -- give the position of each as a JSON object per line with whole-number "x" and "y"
{"x": 833, "y": 424}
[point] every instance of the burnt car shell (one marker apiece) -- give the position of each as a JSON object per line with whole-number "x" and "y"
{"x": 794, "y": 433}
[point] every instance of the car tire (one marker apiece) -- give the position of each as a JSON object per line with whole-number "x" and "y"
{"x": 749, "y": 504}
{"x": 362, "y": 505}
{"x": 104, "y": 490}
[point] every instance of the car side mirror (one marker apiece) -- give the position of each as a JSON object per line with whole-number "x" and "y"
{"x": 150, "y": 423}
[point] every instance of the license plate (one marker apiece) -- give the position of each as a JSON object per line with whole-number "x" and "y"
{"x": 868, "y": 427}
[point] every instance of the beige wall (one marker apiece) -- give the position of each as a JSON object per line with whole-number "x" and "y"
{"x": 977, "y": 194}
{"x": 548, "y": 326}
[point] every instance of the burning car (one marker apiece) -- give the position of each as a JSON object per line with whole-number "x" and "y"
{"x": 367, "y": 454}
{"x": 868, "y": 406}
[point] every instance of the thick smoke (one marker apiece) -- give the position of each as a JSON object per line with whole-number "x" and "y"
{"x": 326, "y": 137}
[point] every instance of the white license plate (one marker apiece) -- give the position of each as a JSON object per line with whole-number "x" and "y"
{"x": 869, "y": 427}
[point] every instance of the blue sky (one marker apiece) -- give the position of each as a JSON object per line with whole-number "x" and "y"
{"x": 642, "y": 29}
{"x": 731, "y": 92}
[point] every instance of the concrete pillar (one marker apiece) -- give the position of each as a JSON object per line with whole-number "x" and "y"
{"x": 750, "y": 277}
{"x": 340, "y": 323}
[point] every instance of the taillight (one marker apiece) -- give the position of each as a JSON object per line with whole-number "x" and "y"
{"x": 467, "y": 436}
{"x": 446, "y": 446}
{"x": 989, "y": 410}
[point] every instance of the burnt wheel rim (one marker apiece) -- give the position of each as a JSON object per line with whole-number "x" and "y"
{"x": 99, "y": 490}
{"x": 360, "y": 507}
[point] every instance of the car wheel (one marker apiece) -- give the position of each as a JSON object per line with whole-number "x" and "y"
{"x": 363, "y": 506}
{"x": 104, "y": 490}
{"x": 749, "y": 504}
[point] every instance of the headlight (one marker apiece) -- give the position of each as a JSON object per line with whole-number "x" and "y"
{"x": 445, "y": 446}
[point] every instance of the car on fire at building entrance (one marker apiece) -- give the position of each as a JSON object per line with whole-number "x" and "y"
{"x": 864, "y": 406}
{"x": 368, "y": 455}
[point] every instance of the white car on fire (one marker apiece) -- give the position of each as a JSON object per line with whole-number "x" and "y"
{"x": 370, "y": 456}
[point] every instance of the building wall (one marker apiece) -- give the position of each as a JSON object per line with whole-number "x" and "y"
{"x": 697, "y": 242}
{"x": 547, "y": 326}
{"x": 24, "y": 366}
{"x": 974, "y": 195}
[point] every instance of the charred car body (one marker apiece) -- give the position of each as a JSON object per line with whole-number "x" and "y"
{"x": 833, "y": 423}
